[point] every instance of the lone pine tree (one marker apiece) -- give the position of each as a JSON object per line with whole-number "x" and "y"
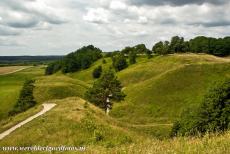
{"x": 106, "y": 88}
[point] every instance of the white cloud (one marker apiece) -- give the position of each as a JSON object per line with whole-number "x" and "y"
{"x": 98, "y": 15}
{"x": 142, "y": 20}
{"x": 118, "y": 5}
{"x": 36, "y": 27}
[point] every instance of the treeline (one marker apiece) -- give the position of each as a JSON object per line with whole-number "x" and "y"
{"x": 200, "y": 44}
{"x": 78, "y": 60}
{"x": 27, "y": 60}
{"x": 26, "y": 99}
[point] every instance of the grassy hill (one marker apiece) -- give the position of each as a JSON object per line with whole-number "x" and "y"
{"x": 71, "y": 122}
{"x": 157, "y": 90}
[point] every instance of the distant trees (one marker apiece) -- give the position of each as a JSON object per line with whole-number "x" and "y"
{"x": 97, "y": 72}
{"x": 212, "y": 116}
{"x": 105, "y": 88}
{"x": 80, "y": 59}
{"x": 132, "y": 57}
{"x": 119, "y": 62}
{"x": 200, "y": 44}
{"x": 26, "y": 99}
{"x": 53, "y": 67}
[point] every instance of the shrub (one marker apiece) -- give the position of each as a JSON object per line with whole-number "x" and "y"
{"x": 119, "y": 62}
{"x": 213, "y": 115}
{"x": 97, "y": 72}
{"x": 26, "y": 99}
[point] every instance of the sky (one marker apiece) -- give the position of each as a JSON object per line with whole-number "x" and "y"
{"x": 57, "y": 27}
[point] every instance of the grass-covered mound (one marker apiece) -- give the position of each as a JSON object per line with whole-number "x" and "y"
{"x": 159, "y": 89}
{"x": 72, "y": 122}
{"x": 58, "y": 86}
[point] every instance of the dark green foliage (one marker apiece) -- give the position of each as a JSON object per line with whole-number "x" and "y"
{"x": 104, "y": 61}
{"x": 140, "y": 49}
{"x": 53, "y": 68}
{"x": 200, "y": 44}
{"x": 127, "y": 50}
{"x": 106, "y": 86}
{"x": 26, "y": 98}
{"x": 212, "y": 116}
{"x": 177, "y": 45}
{"x": 161, "y": 48}
{"x": 97, "y": 72}
{"x": 132, "y": 57}
{"x": 119, "y": 62}
{"x": 80, "y": 59}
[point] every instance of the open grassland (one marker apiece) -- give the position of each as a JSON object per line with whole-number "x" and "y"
{"x": 73, "y": 123}
{"x": 10, "y": 69}
{"x": 209, "y": 144}
{"x": 10, "y": 86}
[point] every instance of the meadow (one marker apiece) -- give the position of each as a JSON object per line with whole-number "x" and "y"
{"x": 157, "y": 90}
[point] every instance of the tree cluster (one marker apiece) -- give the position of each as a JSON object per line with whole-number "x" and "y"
{"x": 26, "y": 99}
{"x": 212, "y": 116}
{"x": 75, "y": 61}
{"x": 200, "y": 44}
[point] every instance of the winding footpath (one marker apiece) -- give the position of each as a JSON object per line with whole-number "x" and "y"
{"x": 46, "y": 108}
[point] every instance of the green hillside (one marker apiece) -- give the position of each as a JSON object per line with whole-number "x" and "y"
{"x": 71, "y": 122}
{"x": 10, "y": 86}
{"x": 157, "y": 89}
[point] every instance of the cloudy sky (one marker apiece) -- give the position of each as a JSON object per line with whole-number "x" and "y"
{"x": 56, "y": 27}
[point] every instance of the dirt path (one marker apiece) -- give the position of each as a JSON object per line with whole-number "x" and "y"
{"x": 16, "y": 71}
{"x": 46, "y": 108}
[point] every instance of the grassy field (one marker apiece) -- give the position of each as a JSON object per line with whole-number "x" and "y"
{"x": 9, "y": 69}
{"x": 74, "y": 123}
{"x": 10, "y": 86}
{"x": 157, "y": 90}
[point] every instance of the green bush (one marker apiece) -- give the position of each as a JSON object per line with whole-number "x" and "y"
{"x": 26, "y": 99}
{"x": 119, "y": 62}
{"x": 213, "y": 115}
{"x": 97, "y": 72}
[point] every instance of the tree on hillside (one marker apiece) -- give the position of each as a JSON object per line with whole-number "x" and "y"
{"x": 212, "y": 116}
{"x": 97, "y": 72}
{"x": 177, "y": 45}
{"x": 126, "y": 50}
{"x": 132, "y": 57}
{"x": 26, "y": 99}
{"x": 161, "y": 48}
{"x": 106, "y": 88}
{"x": 119, "y": 62}
{"x": 140, "y": 49}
